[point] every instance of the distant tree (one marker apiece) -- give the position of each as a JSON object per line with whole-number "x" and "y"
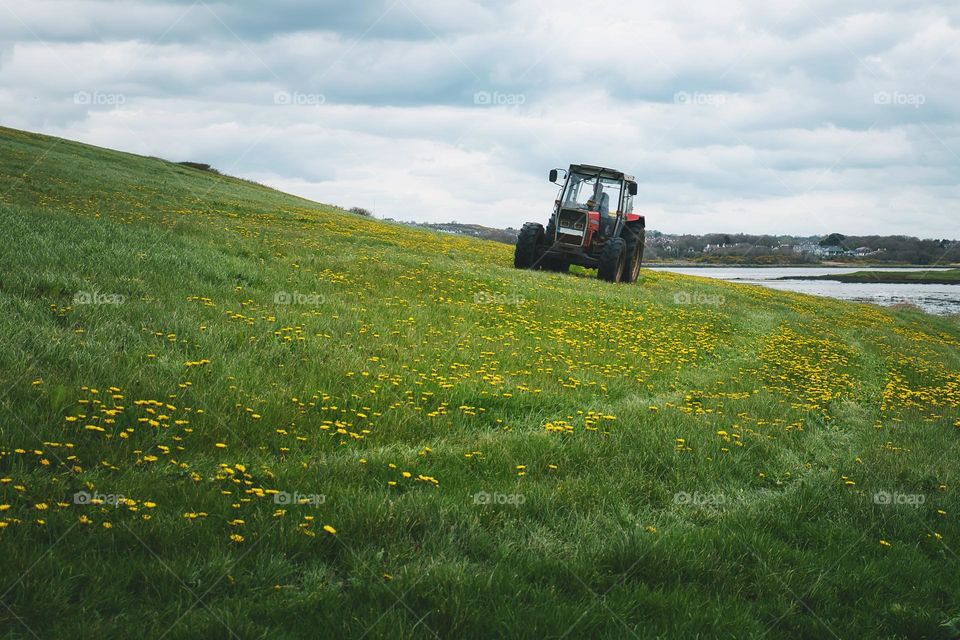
{"x": 833, "y": 240}
{"x": 360, "y": 211}
{"x": 200, "y": 166}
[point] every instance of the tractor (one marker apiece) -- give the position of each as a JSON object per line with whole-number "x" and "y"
{"x": 593, "y": 225}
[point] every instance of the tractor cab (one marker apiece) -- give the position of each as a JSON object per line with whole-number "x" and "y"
{"x": 591, "y": 192}
{"x": 591, "y": 201}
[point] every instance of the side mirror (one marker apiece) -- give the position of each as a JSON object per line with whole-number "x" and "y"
{"x": 632, "y": 188}
{"x": 553, "y": 175}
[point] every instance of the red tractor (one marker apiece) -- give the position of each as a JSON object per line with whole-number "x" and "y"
{"x": 585, "y": 229}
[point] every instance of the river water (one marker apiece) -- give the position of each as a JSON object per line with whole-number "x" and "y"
{"x": 932, "y": 298}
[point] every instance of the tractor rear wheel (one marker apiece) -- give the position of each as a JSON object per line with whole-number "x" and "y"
{"x": 634, "y": 248}
{"x": 613, "y": 259}
{"x": 529, "y": 243}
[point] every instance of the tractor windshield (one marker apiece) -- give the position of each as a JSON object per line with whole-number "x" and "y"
{"x": 590, "y": 193}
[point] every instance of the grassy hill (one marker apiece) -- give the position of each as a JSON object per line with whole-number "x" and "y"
{"x": 230, "y": 412}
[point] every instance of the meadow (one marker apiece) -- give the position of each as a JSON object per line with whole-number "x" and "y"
{"x": 226, "y": 412}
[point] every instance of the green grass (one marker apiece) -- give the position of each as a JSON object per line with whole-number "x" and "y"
{"x": 682, "y": 457}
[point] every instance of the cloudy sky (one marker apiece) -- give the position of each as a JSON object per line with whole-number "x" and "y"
{"x": 772, "y": 116}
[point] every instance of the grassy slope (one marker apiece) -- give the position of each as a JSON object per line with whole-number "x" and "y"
{"x": 774, "y": 416}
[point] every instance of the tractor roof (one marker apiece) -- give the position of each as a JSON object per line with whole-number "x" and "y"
{"x": 607, "y": 173}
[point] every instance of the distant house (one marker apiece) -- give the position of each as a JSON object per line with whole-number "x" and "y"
{"x": 831, "y": 251}
{"x": 862, "y": 251}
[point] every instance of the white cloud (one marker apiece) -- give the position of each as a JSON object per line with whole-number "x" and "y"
{"x": 735, "y": 117}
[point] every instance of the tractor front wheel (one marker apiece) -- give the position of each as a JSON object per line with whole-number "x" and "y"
{"x": 529, "y": 243}
{"x": 613, "y": 260}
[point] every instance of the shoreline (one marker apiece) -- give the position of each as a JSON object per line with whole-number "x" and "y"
{"x": 822, "y": 265}
{"x": 920, "y": 277}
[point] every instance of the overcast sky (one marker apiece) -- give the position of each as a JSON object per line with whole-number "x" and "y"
{"x": 766, "y": 116}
